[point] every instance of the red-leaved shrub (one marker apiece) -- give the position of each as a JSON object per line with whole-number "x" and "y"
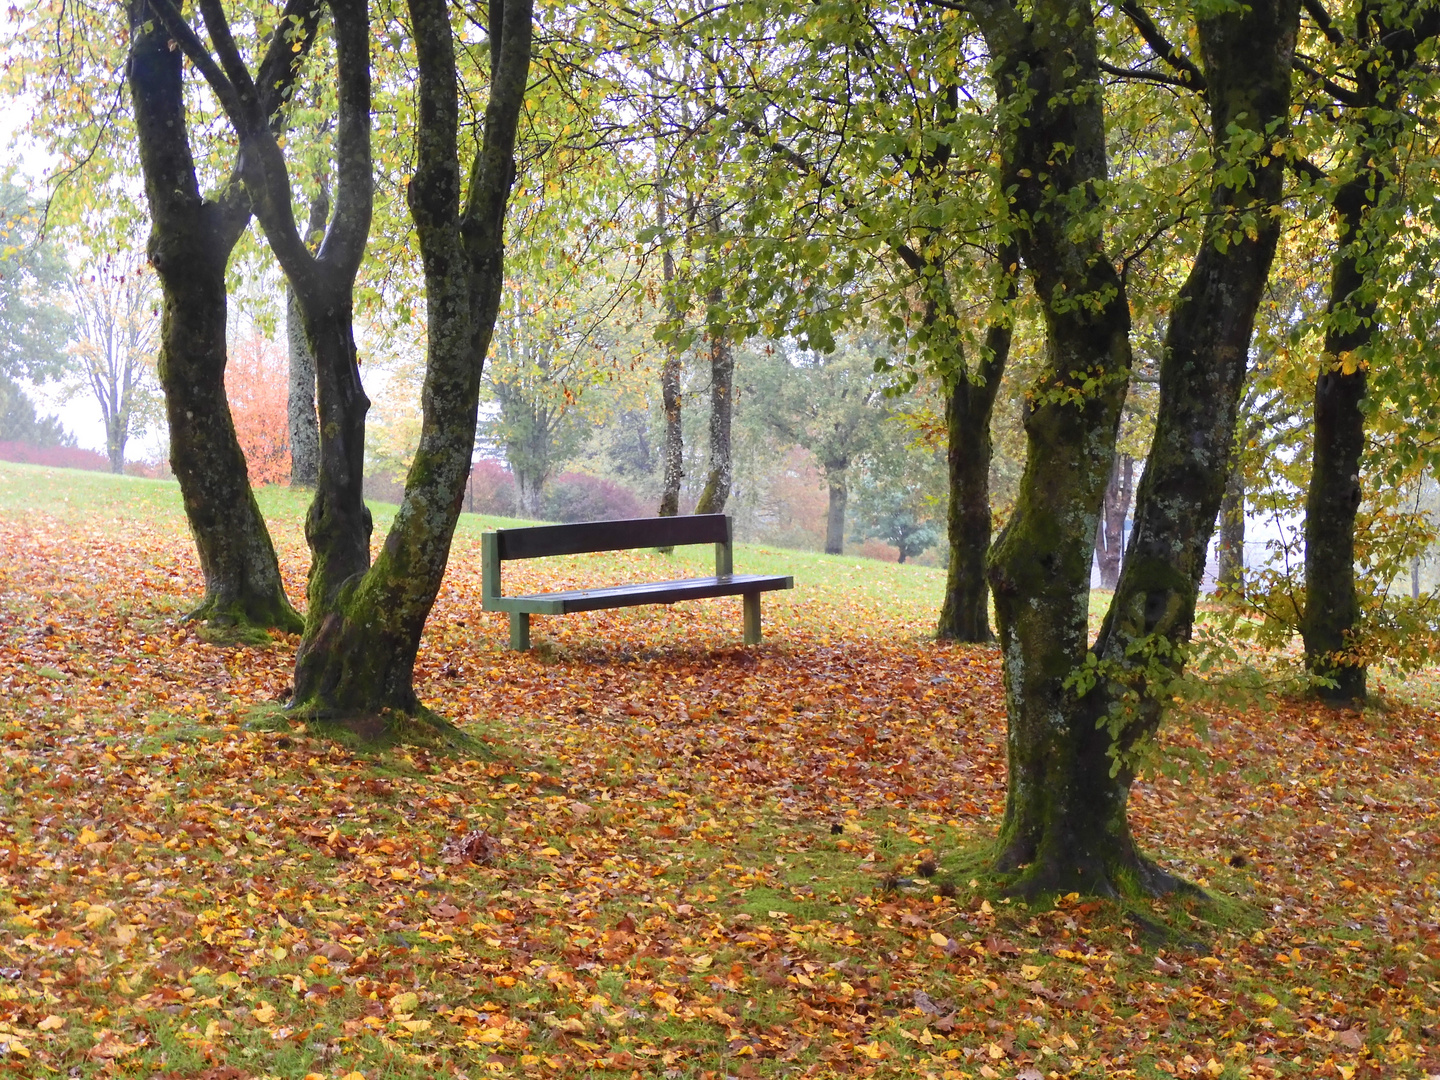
{"x": 257, "y": 382}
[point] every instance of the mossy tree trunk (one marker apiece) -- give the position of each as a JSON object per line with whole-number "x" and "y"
{"x": 358, "y": 657}
{"x": 1141, "y": 648}
{"x": 191, "y": 239}
{"x": 1066, "y": 817}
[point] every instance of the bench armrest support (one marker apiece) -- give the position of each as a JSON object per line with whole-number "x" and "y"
{"x": 724, "y": 554}
{"x": 489, "y": 567}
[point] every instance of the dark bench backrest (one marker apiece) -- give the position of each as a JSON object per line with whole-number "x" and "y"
{"x": 539, "y": 541}
{"x": 585, "y": 536}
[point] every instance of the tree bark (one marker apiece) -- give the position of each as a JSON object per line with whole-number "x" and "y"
{"x": 1332, "y": 606}
{"x": 716, "y": 491}
{"x": 835, "y": 481}
{"x": 1066, "y": 816}
{"x": 1230, "y": 578}
{"x": 303, "y": 422}
{"x": 191, "y": 239}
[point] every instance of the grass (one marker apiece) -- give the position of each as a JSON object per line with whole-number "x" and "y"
{"x": 675, "y": 858}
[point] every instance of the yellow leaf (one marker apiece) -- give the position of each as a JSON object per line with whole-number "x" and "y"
{"x": 229, "y": 980}
{"x": 353, "y": 1076}
{"x": 125, "y": 934}
{"x": 985, "y": 908}
{"x": 416, "y": 1025}
{"x": 264, "y": 1012}
{"x": 549, "y": 851}
{"x": 98, "y": 915}
{"x": 1029, "y": 971}
{"x": 700, "y": 963}
{"x": 51, "y": 1023}
{"x": 939, "y": 939}
{"x": 87, "y": 836}
{"x": 407, "y": 1002}
{"x": 871, "y": 1050}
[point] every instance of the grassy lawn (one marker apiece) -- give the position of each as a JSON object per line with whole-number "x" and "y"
{"x": 681, "y": 858}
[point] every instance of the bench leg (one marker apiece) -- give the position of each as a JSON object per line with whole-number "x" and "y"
{"x": 752, "y": 617}
{"x": 520, "y": 630}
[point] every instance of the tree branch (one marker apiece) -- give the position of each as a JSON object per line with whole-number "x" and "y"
{"x": 1161, "y": 46}
{"x": 191, "y": 45}
{"x": 233, "y": 63}
{"x": 1316, "y": 11}
{"x": 1142, "y": 75}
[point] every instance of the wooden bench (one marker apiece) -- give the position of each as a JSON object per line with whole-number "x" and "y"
{"x": 590, "y": 536}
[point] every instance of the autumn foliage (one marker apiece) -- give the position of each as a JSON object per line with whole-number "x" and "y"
{"x": 257, "y": 384}
{"x": 676, "y": 857}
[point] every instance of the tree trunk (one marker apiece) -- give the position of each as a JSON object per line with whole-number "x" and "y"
{"x": 674, "y": 452}
{"x": 965, "y": 610}
{"x": 115, "y": 441}
{"x": 1110, "y": 538}
{"x": 190, "y": 244}
{"x": 356, "y": 664}
{"x": 303, "y": 423}
{"x": 670, "y": 375}
{"x": 1230, "y": 580}
{"x": 1142, "y": 644}
{"x": 1332, "y": 606}
{"x": 529, "y": 494}
{"x": 1066, "y": 823}
{"x": 722, "y": 403}
{"x": 835, "y": 480}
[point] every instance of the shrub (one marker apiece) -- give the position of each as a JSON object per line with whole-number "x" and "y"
{"x": 581, "y": 497}
{"x": 491, "y": 489}
{"x": 59, "y": 457}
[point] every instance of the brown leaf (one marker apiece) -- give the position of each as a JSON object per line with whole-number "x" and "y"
{"x": 474, "y": 847}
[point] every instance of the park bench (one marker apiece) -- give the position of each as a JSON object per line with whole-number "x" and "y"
{"x": 583, "y": 537}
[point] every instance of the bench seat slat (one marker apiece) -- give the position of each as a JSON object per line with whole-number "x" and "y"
{"x": 654, "y": 592}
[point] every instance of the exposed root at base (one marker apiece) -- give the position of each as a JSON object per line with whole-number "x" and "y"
{"x": 1124, "y": 879}
{"x": 389, "y": 727}
{"x": 232, "y": 623}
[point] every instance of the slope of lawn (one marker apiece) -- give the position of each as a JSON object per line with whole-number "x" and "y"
{"x": 678, "y": 857}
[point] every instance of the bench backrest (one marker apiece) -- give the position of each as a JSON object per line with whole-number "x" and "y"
{"x": 539, "y": 541}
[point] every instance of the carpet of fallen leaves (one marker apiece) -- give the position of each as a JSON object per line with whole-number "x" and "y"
{"x": 686, "y": 859}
